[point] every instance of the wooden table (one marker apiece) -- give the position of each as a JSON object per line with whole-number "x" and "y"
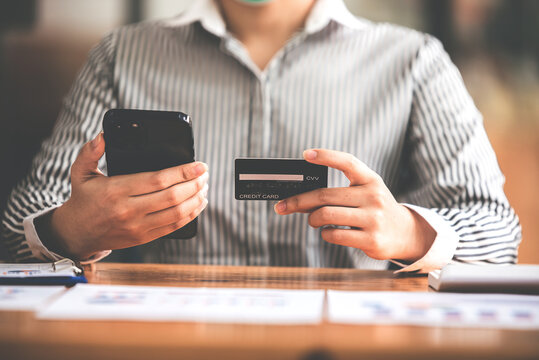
{"x": 24, "y": 337}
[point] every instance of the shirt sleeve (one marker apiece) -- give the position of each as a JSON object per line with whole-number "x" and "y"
{"x": 450, "y": 171}
{"x": 48, "y": 184}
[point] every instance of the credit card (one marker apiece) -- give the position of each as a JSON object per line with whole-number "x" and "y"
{"x": 276, "y": 179}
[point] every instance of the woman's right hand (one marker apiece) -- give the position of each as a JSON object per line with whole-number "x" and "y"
{"x": 107, "y": 213}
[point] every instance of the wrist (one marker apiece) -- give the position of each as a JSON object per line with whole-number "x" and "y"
{"x": 421, "y": 236}
{"x": 61, "y": 237}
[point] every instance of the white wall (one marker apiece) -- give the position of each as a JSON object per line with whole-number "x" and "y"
{"x": 70, "y": 17}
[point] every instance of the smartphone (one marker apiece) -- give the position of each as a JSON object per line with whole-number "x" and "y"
{"x": 141, "y": 140}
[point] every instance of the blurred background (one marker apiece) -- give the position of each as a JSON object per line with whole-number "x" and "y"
{"x": 495, "y": 44}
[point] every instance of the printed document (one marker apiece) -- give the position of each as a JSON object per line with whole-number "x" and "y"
{"x": 27, "y": 298}
{"x": 434, "y": 309}
{"x": 106, "y": 302}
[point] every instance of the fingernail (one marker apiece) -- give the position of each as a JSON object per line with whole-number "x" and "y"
{"x": 280, "y": 206}
{"x": 95, "y": 141}
{"x": 309, "y": 154}
{"x": 199, "y": 169}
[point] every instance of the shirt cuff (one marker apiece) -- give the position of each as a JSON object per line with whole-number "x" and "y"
{"x": 40, "y": 251}
{"x": 443, "y": 248}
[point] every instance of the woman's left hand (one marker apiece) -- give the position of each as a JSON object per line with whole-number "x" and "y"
{"x": 380, "y": 226}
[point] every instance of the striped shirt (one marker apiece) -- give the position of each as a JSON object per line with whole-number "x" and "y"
{"x": 388, "y": 95}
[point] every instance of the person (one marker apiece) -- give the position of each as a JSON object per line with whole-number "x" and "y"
{"x": 413, "y": 178}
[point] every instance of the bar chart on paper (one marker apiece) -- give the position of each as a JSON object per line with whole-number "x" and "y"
{"x": 434, "y": 309}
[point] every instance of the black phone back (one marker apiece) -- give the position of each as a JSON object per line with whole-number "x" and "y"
{"x": 140, "y": 141}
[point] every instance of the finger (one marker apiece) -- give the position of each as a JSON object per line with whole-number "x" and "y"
{"x": 339, "y": 216}
{"x": 356, "y": 171}
{"x": 86, "y": 162}
{"x": 312, "y": 200}
{"x": 167, "y": 229}
{"x": 172, "y": 196}
{"x": 346, "y": 237}
{"x": 148, "y": 182}
{"x": 175, "y": 213}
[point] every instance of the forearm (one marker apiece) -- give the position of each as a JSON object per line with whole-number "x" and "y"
{"x": 490, "y": 233}
{"x": 468, "y": 234}
{"x": 26, "y": 202}
{"x": 47, "y": 185}
{"x": 451, "y": 167}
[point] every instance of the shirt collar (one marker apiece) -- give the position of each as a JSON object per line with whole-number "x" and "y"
{"x": 323, "y": 12}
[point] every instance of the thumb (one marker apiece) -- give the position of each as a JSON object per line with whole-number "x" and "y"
{"x": 85, "y": 164}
